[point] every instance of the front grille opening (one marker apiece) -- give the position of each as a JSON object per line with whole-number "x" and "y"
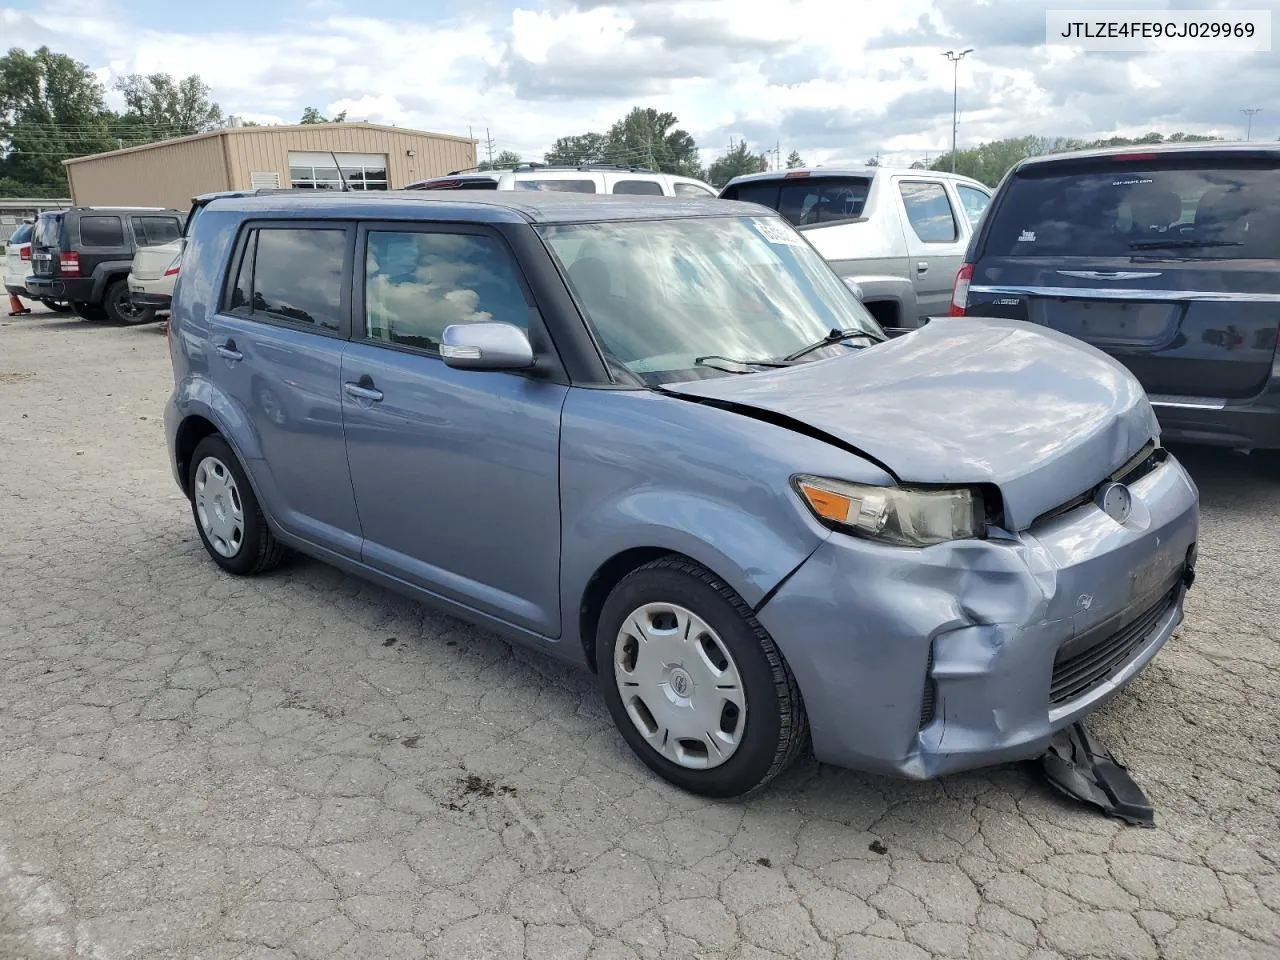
{"x": 1076, "y": 675}
{"x": 929, "y": 702}
{"x": 1145, "y": 461}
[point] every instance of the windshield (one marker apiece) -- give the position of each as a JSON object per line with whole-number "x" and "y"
{"x": 1170, "y": 207}
{"x": 662, "y": 293}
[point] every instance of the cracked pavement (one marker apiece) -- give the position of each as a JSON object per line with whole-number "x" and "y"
{"x": 306, "y": 766}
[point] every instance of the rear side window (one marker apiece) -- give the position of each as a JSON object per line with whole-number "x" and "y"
{"x": 929, "y": 212}
{"x": 416, "y": 284}
{"x": 101, "y": 232}
{"x": 974, "y": 202}
{"x": 692, "y": 190}
{"x": 154, "y": 231}
{"x": 292, "y": 274}
{"x": 558, "y": 186}
{"x": 647, "y": 188}
{"x": 1121, "y": 209}
{"x": 804, "y": 201}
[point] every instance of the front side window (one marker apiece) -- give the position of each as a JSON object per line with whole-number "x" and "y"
{"x": 660, "y": 294}
{"x": 648, "y": 188}
{"x": 101, "y": 232}
{"x": 558, "y": 186}
{"x": 974, "y": 202}
{"x": 929, "y": 212}
{"x": 292, "y": 274}
{"x": 416, "y": 284}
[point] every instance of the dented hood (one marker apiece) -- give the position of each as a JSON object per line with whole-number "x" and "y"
{"x": 964, "y": 400}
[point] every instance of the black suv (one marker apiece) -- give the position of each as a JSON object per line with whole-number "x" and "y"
{"x": 83, "y": 255}
{"x": 1167, "y": 258}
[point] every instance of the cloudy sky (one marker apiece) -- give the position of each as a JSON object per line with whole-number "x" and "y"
{"x": 837, "y": 80}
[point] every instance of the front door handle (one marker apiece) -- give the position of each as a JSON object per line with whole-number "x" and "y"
{"x": 922, "y": 267}
{"x": 228, "y": 351}
{"x": 363, "y": 389}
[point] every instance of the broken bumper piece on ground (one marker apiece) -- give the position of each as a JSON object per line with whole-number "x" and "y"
{"x": 1081, "y": 767}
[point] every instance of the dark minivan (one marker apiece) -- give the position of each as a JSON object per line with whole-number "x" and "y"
{"x": 83, "y": 255}
{"x": 1166, "y": 257}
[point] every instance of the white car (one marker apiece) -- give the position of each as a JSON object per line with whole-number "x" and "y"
{"x": 17, "y": 261}
{"x": 589, "y": 178}
{"x": 151, "y": 278}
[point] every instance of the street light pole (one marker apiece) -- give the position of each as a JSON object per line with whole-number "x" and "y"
{"x": 955, "y": 59}
{"x": 1248, "y": 130}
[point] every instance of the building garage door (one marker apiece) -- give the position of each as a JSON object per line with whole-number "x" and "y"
{"x": 317, "y": 171}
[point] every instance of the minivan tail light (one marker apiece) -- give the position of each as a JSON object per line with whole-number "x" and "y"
{"x": 172, "y": 269}
{"x": 960, "y": 293}
{"x": 24, "y": 252}
{"x": 69, "y": 264}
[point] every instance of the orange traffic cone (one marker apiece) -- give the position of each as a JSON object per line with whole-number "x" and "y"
{"x": 16, "y": 309}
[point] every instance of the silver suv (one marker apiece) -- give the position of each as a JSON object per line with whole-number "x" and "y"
{"x": 589, "y": 178}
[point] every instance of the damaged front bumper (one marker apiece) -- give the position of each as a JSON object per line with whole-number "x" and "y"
{"x": 927, "y": 662}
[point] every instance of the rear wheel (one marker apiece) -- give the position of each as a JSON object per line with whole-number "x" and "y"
{"x": 227, "y": 515}
{"x": 121, "y": 308}
{"x": 88, "y": 311}
{"x": 695, "y": 684}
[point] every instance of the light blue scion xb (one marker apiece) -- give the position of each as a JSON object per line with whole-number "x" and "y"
{"x": 658, "y": 436}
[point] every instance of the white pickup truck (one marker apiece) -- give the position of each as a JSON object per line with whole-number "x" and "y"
{"x": 899, "y": 235}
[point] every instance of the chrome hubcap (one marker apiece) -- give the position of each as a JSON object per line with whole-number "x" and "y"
{"x": 218, "y": 507}
{"x": 680, "y": 686}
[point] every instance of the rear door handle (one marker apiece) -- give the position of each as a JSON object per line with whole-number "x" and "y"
{"x": 363, "y": 389}
{"x": 922, "y": 267}
{"x": 228, "y": 351}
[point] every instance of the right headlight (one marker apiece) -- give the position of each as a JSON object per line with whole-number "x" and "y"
{"x": 895, "y": 515}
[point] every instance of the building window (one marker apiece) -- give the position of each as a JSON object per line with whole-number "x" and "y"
{"x": 317, "y": 171}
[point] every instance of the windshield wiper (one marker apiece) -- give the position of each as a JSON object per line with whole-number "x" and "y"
{"x": 835, "y": 336}
{"x": 1179, "y": 244}
{"x": 707, "y": 362}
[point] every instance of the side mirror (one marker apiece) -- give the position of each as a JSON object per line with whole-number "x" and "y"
{"x": 853, "y": 286}
{"x": 486, "y": 346}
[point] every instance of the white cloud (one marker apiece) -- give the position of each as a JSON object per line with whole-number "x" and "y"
{"x": 834, "y": 82}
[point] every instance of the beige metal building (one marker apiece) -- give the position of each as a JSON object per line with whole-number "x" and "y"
{"x": 171, "y": 172}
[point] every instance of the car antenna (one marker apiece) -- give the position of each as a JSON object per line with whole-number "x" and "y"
{"x": 345, "y": 188}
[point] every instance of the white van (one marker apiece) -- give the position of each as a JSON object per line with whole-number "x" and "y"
{"x": 590, "y": 178}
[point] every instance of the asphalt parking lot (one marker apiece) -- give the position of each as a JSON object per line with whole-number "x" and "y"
{"x": 306, "y": 766}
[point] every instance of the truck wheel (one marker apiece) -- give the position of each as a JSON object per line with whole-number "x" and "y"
{"x": 120, "y": 307}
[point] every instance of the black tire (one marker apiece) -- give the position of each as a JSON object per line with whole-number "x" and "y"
{"x": 118, "y": 303}
{"x": 776, "y": 728}
{"x": 88, "y": 311}
{"x": 259, "y": 550}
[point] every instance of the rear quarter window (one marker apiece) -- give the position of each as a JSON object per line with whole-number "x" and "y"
{"x": 647, "y": 188}
{"x": 558, "y": 186}
{"x": 1114, "y": 209}
{"x": 101, "y": 231}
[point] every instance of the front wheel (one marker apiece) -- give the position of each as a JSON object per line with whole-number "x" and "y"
{"x": 695, "y": 684}
{"x": 228, "y": 518}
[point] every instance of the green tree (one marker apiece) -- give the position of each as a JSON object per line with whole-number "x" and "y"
{"x": 160, "y": 107}
{"x": 873, "y": 162}
{"x": 794, "y": 161}
{"x": 583, "y": 148}
{"x": 738, "y": 160}
{"x": 503, "y": 161}
{"x": 51, "y": 109}
{"x": 645, "y": 137}
{"x": 313, "y": 115}
{"x": 989, "y": 162}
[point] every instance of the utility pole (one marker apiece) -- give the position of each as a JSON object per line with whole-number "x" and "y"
{"x": 955, "y": 59}
{"x": 1248, "y": 130}
{"x": 488, "y": 145}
